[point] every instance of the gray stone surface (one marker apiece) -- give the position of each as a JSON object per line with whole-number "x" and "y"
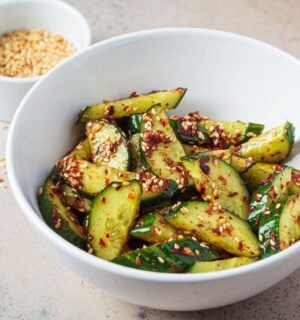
{"x": 33, "y": 285}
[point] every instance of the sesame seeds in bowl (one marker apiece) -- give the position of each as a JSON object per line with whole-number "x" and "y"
{"x": 32, "y": 52}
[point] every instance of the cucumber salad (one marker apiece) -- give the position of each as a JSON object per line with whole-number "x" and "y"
{"x": 165, "y": 193}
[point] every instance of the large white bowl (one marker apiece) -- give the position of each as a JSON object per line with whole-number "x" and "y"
{"x": 228, "y": 76}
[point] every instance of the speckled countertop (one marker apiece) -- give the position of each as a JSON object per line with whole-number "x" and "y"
{"x": 33, "y": 284}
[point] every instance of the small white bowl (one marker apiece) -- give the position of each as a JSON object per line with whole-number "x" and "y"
{"x": 228, "y": 77}
{"x": 52, "y": 15}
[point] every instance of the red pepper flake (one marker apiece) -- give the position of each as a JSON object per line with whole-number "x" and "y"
{"x": 246, "y": 199}
{"x": 119, "y": 187}
{"x": 102, "y": 242}
{"x": 210, "y": 210}
{"x": 272, "y": 193}
{"x": 223, "y": 180}
{"x": 133, "y": 94}
{"x": 131, "y": 196}
{"x": 106, "y": 182}
{"x": 283, "y": 245}
{"x": 232, "y": 194}
{"x": 240, "y": 246}
{"x": 103, "y": 199}
{"x": 138, "y": 261}
{"x": 107, "y": 235}
{"x": 164, "y": 122}
{"x": 109, "y": 110}
{"x": 216, "y": 231}
{"x": 203, "y": 165}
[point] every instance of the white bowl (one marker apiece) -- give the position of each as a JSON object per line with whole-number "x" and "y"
{"x": 228, "y": 76}
{"x": 52, "y": 15}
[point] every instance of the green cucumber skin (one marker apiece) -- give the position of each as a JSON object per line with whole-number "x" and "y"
{"x": 153, "y": 228}
{"x": 133, "y": 123}
{"x": 258, "y": 206}
{"x": 159, "y": 199}
{"x": 165, "y": 257}
{"x": 189, "y": 139}
{"x": 255, "y": 128}
{"x": 47, "y": 208}
{"x": 269, "y": 229}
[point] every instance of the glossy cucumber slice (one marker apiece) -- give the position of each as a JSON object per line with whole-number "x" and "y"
{"x": 112, "y": 215}
{"x": 160, "y": 149}
{"x": 219, "y": 265}
{"x": 108, "y": 144}
{"x": 209, "y": 223}
{"x": 281, "y": 228}
{"x": 218, "y": 182}
{"x": 272, "y": 146}
{"x": 173, "y": 256}
{"x": 260, "y": 173}
{"x": 58, "y": 217}
{"x": 241, "y": 164}
{"x": 75, "y": 200}
{"x": 90, "y": 178}
{"x": 168, "y": 99}
{"x": 267, "y": 195}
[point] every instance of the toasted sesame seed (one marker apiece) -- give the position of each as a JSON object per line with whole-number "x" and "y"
{"x": 160, "y": 259}
{"x": 30, "y": 53}
{"x": 260, "y": 237}
{"x": 278, "y": 205}
{"x": 176, "y": 246}
{"x": 272, "y": 243}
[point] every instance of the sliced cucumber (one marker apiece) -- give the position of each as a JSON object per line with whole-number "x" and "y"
{"x": 190, "y": 132}
{"x": 209, "y": 223}
{"x": 226, "y": 133}
{"x": 260, "y": 173}
{"x": 272, "y": 146}
{"x": 134, "y": 148}
{"x": 153, "y": 228}
{"x": 90, "y": 178}
{"x": 168, "y": 99}
{"x": 160, "y": 149}
{"x": 267, "y": 195}
{"x": 219, "y": 182}
{"x": 282, "y": 227}
{"x": 82, "y": 150}
{"x": 75, "y": 200}
{"x": 241, "y": 164}
{"x": 112, "y": 215}
{"x": 219, "y": 265}
{"x": 108, "y": 144}
{"x": 59, "y": 217}
{"x": 173, "y": 256}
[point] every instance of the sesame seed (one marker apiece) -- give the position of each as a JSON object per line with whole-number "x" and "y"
{"x": 260, "y": 237}
{"x": 160, "y": 259}
{"x": 272, "y": 243}
{"x": 278, "y": 205}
